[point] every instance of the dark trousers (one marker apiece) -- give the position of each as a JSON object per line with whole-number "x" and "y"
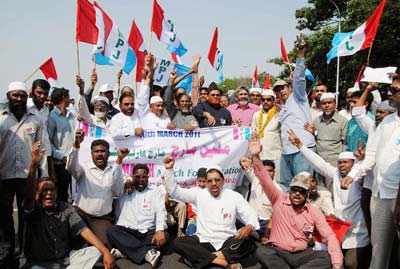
{"x": 9, "y": 188}
{"x": 131, "y": 243}
{"x": 357, "y": 258}
{"x": 272, "y": 257}
{"x": 98, "y": 224}
{"x": 63, "y": 181}
{"x": 201, "y": 254}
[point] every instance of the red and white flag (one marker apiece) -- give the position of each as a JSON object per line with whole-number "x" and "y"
{"x": 94, "y": 26}
{"x": 176, "y": 58}
{"x": 136, "y": 42}
{"x": 165, "y": 30}
{"x": 284, "y": 54}
{"x": 215, "y": 56}
{"x": 254, "y": 81}
{"x": 363, "y": 36}
{"x": 267, "y": 81}
{"x": 49, "y": 70}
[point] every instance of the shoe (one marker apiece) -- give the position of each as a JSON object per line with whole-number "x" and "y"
{"x": 117, "y": 254}
{"x": 152, "y": 257}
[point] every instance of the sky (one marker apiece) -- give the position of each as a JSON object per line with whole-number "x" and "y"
{"x": 249, "y": 32}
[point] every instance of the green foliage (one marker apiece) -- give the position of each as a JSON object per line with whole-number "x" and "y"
{"x": 320, "y": 17}
{"x": 234, "y": 83}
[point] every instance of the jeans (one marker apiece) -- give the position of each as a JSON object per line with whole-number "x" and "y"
{"x": 291, "y": 165}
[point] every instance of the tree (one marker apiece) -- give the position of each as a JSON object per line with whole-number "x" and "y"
{"x": 320, "y": 17}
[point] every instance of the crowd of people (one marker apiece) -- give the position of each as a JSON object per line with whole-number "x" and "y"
{"x": 310, "y": 168}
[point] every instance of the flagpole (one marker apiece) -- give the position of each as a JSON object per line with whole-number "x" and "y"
{"x": 150, "y": 35}
{"x": 77, "y": 58}
{"x": 369, "y": 53}
{"x": 31, "y": 75}
{"x": 338, "y": 57}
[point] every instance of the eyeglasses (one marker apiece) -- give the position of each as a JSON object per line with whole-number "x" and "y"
{"x": 215, "y": 95}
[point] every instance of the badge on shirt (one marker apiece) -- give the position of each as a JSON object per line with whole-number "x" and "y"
{"x": 32, "y": 132}
{"x": 223, "y": 121}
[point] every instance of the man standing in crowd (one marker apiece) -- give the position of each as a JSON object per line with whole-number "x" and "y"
{"x": 211, "y": 113}
{"x": 347, "y": 203}
{"x": 242, "y": 111}
{"x": 61, "y": 127}
{"x": 266, "y": 125}
{"x": 52, "y": 226}
{"x": 294, "y": 113}
{"x": 382, "y": 154}
{"x": 216, "y": 240}
{"x": 19, "y": 129}
{"x": 255, "y": 96}
{"x": 317, "y": 92}
{"x": 98, "y": 182}
{"x": 294, "y": 220}
{"x": 329, "y": 130}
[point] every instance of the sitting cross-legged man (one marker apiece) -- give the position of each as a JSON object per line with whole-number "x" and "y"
{"x": 139, "y": 231}
{"x": 51, "y": 227}
{"x": 216, "y": 241}
{"x": 294, "y": 221}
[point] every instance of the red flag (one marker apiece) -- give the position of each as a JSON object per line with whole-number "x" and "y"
{"x": 339, "y": 227}
{"x": 284, "y": 54}
{"x": 135, "y": 39}
{"x": 86, "y": 30}
{"x": 372, "y": 24}
{"x": 212, "y": 52}
{"x": 157, "y": 19}
{"x": 267, "y": 81}
{"x": 139, "y": 65}
{"x": 48, "y": 69}
{"x": 254, "y": 81}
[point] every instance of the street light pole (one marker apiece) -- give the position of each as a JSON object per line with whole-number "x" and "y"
{"x": 338, "y": 58}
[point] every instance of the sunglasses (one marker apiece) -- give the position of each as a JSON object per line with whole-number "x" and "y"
{"x": 299, "y": 190}
{"x": 215, "y": 95}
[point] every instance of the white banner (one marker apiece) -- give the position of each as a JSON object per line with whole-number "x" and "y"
{"x": 223, "y": 146}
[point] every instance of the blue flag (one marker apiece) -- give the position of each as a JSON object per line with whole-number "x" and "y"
{"x": 187, "y": 82}
{"x": 337, "y": 39}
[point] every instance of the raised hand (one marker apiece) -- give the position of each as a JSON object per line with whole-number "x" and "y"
{"x": 36, "y": 153}
{"x": 81, "y": 84}
{"x": 79, "y": 136}
{"x": 169, "y": 162}
{"x": 245, "y": 163}
{"x": 255, "y": 147}
{"x": 195, "y": 65}
{"x": 93, "y": 78}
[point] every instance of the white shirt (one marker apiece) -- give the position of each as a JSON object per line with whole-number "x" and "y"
{"x": 383, "y": 153}
{"x": 124, "y": 125}
{"x": 367, "y": 125}
{"x": 216, "y": 216}
{"x": 83, "y": 113}
{"x": 345, "y": 114}
{"x": 271, "y": 141}
{"x": 143, "y": 211}
{"x": 96, "y": 187}
{"x": 258, "y": 199}
{"x": 347, "y": 203}
{"x": 151, "y": 121}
